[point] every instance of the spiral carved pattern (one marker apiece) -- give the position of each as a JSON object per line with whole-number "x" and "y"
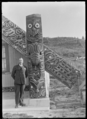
{"x": 35, "y": 56}
{"x": 54, "y": 64}
{"x": 13, "y": 33}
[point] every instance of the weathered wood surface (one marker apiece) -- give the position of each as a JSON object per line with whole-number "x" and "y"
{"x": 54, "y": 64}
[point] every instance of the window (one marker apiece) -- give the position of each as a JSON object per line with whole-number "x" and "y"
{"x": 5, "y": 58}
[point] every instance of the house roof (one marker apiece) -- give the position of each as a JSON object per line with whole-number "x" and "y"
{"x": 16, "y": 37}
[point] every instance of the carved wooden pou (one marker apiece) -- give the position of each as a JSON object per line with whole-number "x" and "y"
{"x": 36, "y": 70}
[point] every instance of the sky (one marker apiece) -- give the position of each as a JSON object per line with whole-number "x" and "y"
{"x": 59, "y": 19}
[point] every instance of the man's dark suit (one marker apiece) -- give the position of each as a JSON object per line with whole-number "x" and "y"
{"x": 19, "y": 82}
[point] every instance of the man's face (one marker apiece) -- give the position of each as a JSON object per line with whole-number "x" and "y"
{"x": 21, "y": 61}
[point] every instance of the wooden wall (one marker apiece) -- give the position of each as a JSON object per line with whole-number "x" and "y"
{"x": 14, "y": 55}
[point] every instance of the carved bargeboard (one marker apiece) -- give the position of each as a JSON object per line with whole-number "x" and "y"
{"x": 14, "y": 34}
{"x": 59, "y": 68}
{"x": 53, "y": 63}
{"x": 36, "y": 70}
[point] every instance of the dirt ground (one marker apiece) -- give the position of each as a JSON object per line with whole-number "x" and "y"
{"x": 79, "y": 112}
{"x": 75, "y": 110}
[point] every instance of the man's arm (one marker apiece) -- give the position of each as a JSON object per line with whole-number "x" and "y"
{"x": 13, "y": 72}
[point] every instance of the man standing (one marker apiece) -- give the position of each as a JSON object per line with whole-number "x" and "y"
{"x": 19, "y": 73}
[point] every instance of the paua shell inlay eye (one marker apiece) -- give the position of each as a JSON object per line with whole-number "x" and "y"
{"x": 37, "y": 25}
{"x": 29, "y": 26}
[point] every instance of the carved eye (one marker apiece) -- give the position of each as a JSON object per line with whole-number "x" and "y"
{"x": 37, "y": 25}
{"x": 29, "y": 26}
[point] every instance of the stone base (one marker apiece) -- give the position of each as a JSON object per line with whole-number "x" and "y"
{"x": 31, "y": 104}
{"x": 44, "y": 102}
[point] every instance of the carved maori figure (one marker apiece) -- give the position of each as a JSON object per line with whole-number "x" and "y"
{"x": 54, "y": 64}
{"x": 35, "y": 56}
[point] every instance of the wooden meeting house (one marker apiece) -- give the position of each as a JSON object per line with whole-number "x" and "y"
{"x": 12, "y": 50}
{"x": 10, "y": 57}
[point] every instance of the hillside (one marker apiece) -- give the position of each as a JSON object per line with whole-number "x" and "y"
{"x": 66, "y": 46}
{"x": 66, "y": 42}
{"x": 70, "y": 49}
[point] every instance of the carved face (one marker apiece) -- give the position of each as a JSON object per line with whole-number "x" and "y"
{"x": 35, "y": 52}
{"x": 33, "y": 27}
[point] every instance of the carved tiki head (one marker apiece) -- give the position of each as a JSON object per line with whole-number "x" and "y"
{"x": 34, "y": 28}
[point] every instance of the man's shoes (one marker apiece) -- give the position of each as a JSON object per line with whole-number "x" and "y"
{"x": 16, "y": 106}
{"x": 22, "y": 104}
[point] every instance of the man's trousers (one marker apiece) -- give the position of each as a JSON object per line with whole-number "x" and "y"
{"x": 19, "y": 93}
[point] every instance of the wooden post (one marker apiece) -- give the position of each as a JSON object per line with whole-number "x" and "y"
{"x": 36, "y": 70}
